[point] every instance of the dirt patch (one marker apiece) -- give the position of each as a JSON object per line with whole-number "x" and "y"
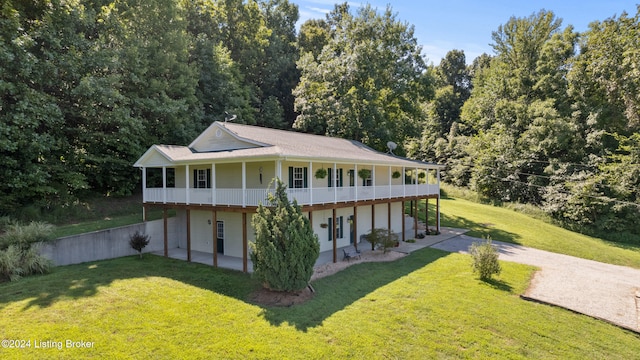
{"x": 267, "y": 297}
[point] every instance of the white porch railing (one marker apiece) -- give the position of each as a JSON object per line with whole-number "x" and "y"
{"x": 252, "y": 197}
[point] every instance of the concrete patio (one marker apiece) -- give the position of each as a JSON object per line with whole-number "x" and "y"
{"x": 325, "y": 257}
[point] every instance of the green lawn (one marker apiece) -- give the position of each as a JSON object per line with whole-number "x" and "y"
{"x": 426, "y": 305}
{"x": 508, "y": 225}
{"x": 107, "y": 223}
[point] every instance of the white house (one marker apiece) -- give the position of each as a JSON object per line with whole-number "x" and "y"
{"x": 222, "y": 176}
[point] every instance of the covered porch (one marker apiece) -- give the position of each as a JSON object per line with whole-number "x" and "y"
{"x": 325, "y": 257}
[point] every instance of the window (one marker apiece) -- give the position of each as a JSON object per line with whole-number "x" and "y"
{"x": 335, "y": 179}
{"x": 339, "y": 228}
{"x": 201, "y": 178}
{"x": 298, "y": 177}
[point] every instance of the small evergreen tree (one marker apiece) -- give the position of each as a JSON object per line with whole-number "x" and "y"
{"x": 138, "y": 241}
{"x": 286, "y": 247}
{"x": 485, "y": 259}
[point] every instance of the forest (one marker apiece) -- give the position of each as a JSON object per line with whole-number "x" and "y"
{"x": 551, "y": 118}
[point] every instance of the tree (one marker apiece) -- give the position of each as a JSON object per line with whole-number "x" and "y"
{"x": 367, "y": 83}
{"x": 520, "y": 102}
{"x": 138, "y": 241}
{"x": 279, "y": 72}
{"x": 286, "y": 248}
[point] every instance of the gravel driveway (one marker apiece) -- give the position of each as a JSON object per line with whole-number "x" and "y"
{"x": 608, "y": 292}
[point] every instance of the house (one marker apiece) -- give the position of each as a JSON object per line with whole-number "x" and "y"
{"x": 216, "y": 183}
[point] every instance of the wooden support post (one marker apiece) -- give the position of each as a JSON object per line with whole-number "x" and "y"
{"x": 415, "y": 217}
{"x": 389, "y": 216}
{"x": 403, "y": 225}
{"x": 373, "y": 217}
{"x": 214, "y": 223}
{"x": 335, "y": 233}
{"x": 438, "y": 213}
{"x": 355, "y": 227}
{"x": 426, "y": 212}
{"x": 244, "y": 242}
{"x": 188, "y": 234}
{"x": 165, "y": 228}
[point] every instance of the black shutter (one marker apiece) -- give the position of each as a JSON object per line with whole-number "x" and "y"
{"x": 290, "y": 177}
{"x": 306, "y": 175}
{"x": 330, "y": 229}
{"x": 340, "y": 178}
{"x": 195, "y": 178}
{"x": 330, "y": 176}
{"x": 341, "y": 235}
{"x": 208, "y": 178}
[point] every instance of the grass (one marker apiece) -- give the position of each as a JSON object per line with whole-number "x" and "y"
{"x": 425, "y": 305}
{"x": 504, "y": 224}
{"x": 107, "y": 223}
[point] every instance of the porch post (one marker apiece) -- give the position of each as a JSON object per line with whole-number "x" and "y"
{"x": 426, "y": 212}
{"x": 164, "y": 184}
{"x": 335, "y": 233}
{"x": 415, "y": 218}
{"x": 355, "y": 179}
{"x": 335, "y": 188}
{"x": 373, "y": 180}
{"x": 213, "y": 184}
{"x": 144, "y": 184}
{"x": 166, "y": 236}
{"x": 188, "y": 234}
{"x": 438, "y": 213}
{"x": 416, "y": 189}
{"x": 244, "y": 184}
{"x": 389, "y": 182}
{"x": 404, "y": 182}
{"x": 403, "y": 225}
{"x": 389, "y": 216}
{"x": 355, "y": 227}
{"x": 310, "y": 181}
{"x": 279, "y": 169}
{"x": 373, "y": 216}
{"x": 214, "y": 223}
{"x": 244, "y": 241}
{"x": 187, "y": 187}
{"x": 145, "y": 210}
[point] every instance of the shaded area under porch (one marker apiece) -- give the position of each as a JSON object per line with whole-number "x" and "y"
{"x": 325, "y": 257}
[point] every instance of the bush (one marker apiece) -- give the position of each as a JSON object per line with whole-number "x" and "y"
{"x": 10, "y": 261}
{"x": 16, "y": 262}
{"x": 286, "y": 248}
{"x": 138, "y": 242}
{"x": 25, "y": 235}
{"x": 19, "y": 249}
{"x": 382, "y": 238}
{"x": 485, "y": 259}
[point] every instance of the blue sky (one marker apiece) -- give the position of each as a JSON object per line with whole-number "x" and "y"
{"x": 466, "y": 25}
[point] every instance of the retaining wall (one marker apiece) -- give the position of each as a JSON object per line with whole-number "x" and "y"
{"x": 108, "y": 244}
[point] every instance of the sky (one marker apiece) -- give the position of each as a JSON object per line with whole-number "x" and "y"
{"x": 441, "y": 26}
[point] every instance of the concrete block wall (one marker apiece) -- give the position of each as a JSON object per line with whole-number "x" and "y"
{"x": 108, "y": 244}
